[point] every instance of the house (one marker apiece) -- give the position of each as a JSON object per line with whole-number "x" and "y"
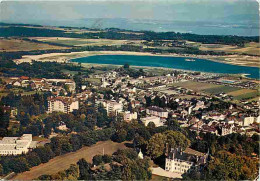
{"x": 157, "y": 111}
{"x": 156, "y": 120}
{"x": 179, "y": 161}
{"x": 62, "y": 127}
{"x": 62, "y": 104}
{"x": 128, "y": 116}
{"x": 15, "y": 145}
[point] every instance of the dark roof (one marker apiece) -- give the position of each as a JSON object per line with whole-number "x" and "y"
{"x": 155, "y": 108}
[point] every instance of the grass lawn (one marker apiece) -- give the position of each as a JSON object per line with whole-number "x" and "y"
{"x": 196, "y": 86}
{"x": 37, "y": 138}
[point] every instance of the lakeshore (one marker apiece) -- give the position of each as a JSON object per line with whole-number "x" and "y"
{"x": 241, "y": 60}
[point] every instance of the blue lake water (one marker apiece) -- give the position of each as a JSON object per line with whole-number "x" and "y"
{"x": 201, "y": 65}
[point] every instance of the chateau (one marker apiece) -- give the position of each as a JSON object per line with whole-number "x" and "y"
{"x": 179, "y": 161}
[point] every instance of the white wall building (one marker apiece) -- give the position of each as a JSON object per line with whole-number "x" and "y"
{"x": 128, "y": 116}
{"x": 156, "y": 120}
{"x": 249, "y": 120}
{"x": 111, "y": 106}
{"x": 15, "y": 145}
{"x": 62, "y": 104}
{"x": 179, "y": 161}
{"x": 157, "y": 111}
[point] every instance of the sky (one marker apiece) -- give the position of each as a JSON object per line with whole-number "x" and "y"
{"x": 61, "y": 12}
{"x": 178, "y": 10}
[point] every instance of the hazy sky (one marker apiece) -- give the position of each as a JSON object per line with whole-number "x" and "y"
{"x": 182, "y": 10}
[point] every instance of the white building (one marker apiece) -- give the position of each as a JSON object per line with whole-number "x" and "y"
{"x": 111, "y": 106}
{"x": 128, "y": 116}
{"x": 157, "y": 111}
{"x": 15, "y": 145}
{"x": 62, "y": 104}
{"x": 179, "y": 161}
{"x": 156, "y": 120}
{"x": 249, "y": 120}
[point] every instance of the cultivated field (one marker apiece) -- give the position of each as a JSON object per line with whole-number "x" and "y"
{"x": 245, "y": 94}
{"x": 63, "y": 162}
{"x": 252, "y": 48}
{"x": 238, "y": 93}
{"x": 13, "y": 45}
{"x": 86, "y": 42}
{"x": 241, "y": 91}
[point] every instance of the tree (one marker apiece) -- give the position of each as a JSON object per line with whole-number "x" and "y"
{"x": 106, "y": 158}
{"x": 126, "y": 66}
{"x": 1, "y": 170}
{"x": 33, "y": 159}
{"x": 73, "y": 172}
{"x": 84, "y": 173}
{"x": 156, "y": 145}
{"x": 20, "y": 165}
{"x": 229, "y": 166}
{"x": 45, "y": 153}
{"x": 97, "y": 160}
{"x": 176, "y": 139}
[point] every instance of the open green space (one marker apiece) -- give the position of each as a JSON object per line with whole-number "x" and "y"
{"x": 220, "y": 89}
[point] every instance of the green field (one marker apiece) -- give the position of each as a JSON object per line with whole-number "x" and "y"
{"x": 237, "y": 93}
{"x": 250, "y": 95}
{"x": 220, "y": 89}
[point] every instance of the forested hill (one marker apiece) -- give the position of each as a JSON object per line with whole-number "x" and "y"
{"x": 11, "y": 30}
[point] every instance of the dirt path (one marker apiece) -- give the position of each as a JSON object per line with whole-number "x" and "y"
{"x": 63, "y": 162}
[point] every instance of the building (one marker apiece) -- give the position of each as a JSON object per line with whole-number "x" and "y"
{"x": 128, "y": 116}
{"x": 179, "y": 161}
{"x": 68, "y": 82}
{"x": 156, "y": 120}
{"x": 112, "y": 107}
{"x": 15, "y": 145}
{"x": 62, "y": 104}
{"x": 249, "y": 120}
{"x": 226, "y": 129}
{"x": 157, "y": 111}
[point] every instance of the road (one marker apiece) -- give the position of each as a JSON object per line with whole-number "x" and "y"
{"x": 63, "y": 162}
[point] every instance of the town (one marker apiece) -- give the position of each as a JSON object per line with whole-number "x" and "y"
{"x": 120, "y": 98}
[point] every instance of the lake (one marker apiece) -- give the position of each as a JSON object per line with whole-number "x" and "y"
{"x": 201, "y": 65}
